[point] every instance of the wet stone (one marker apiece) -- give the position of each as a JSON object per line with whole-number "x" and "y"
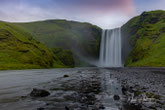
{"x": 67, "y": 108}
{"x": 39, "y": 93}
{"x": 101, "y": 107}
{"x": 23, "y": 97}
{"x": 65, "y": 76}
{"x": 40, "y": 109}
{"x": 116, "y": 97}
{"x": 124, "y": 89}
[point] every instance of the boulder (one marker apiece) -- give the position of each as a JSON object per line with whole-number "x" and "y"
{"x": 65, "y": 76}
{"x": 39, "y": 93}
{"x": 116, "y": 97}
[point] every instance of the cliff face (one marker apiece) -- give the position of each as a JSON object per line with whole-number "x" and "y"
{"x": 144, "y": 40}
{"x": 83, "y": 39}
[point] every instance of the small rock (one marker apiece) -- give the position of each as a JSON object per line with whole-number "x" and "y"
{"x": 101, "y": 107}
{"x": 40, "y": 109}
{"x": 65, "y": 76}
{"x": 116, "y": 97}
{"x": 39, "y": 93}
{"x": 66, "y": 108}
{"x": 124, "y": 89}
{"x": 157, "y": 97}
{"x": 23, "y": 97}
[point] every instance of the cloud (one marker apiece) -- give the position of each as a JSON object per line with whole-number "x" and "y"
{"x": 104, "y": 13}
{"x": 99, "y": 6}
{"x": 149, "y": 5}
{"x": 159, "y": 5}
{"x": 22, "y": 12}
{"x": 3, "y": 15}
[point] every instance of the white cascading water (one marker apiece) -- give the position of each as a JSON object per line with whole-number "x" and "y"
{"x": 110, "y": 53}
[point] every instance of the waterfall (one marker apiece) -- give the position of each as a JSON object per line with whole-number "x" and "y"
{"x": 110, "y": 53}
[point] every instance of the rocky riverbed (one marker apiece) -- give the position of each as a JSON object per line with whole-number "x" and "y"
{"x": 89, "y": 89}
{"x": 144, "y": 88}
{"x": 83, "y": 89}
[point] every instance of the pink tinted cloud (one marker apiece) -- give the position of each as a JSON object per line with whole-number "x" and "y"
{"x": 102, "y": 6}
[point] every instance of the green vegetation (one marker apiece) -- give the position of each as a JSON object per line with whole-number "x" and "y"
{"x": 81, "y": 38}
{"x": 147, "y": 38}
{"x": 65, "y": 56}
{"x": 150, "y": 94}
{"x": 18, "y": 50}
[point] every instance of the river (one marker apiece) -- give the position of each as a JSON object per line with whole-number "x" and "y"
{"x": 84, "y": 89}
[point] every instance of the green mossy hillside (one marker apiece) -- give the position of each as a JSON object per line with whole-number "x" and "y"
{"x": 81, "y": 38}
{"x": 18, "y": 50}
{"x": 65, "y": 56}
{"x": 146, "y": 34}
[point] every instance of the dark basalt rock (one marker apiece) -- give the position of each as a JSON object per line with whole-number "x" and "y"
{"x": 40, "y": 109}
{"x": 143, "y": 16}
{"x": 101, "y": 107}
{"x": 39, "y": 93}
{"x": 66, "y": 108}
{"x": 24, "y": 51}
{"x": 163, "y": 29}
{"x": 124, "y": 90}
{"x": 116, "y": 97}
{"x": 65, "y": 76}
{"x": 153, "y": 20}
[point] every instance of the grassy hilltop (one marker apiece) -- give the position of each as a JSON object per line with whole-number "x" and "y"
{"x": 146, "y": 35}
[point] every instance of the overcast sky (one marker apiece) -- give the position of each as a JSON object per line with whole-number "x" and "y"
{"x": 104, "y": 13}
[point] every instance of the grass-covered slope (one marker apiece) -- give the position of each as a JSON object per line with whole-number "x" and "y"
{"x": 146, "y": 34}
{"x": 18, "y": 50}
{"x": 65, "y": 56}
{"x": 82, "y": 38}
